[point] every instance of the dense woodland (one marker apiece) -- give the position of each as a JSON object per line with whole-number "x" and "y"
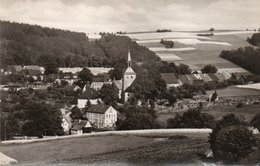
{"x": 25, "y": 44}
{"x": 247, "y": 57}
{"x": 255, "y": 39}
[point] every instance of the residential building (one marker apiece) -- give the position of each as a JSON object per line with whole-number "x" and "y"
{"x": 13, "y": 69}
{"x": 89, "y": 94}
{"x": 170, "y": 79}
{"x": 99, "y": 81}
{"x": 101, "y": 116}
{"x": 80, "y": 126}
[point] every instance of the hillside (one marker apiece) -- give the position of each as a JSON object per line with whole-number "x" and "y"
{"x": 196, "y": 51}
{"x": 25, "y": 44}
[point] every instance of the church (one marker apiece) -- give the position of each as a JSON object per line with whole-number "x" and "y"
{"x": 127, "y": 80}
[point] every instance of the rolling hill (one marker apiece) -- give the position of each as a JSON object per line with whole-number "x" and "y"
{"x": 196, "y": 51}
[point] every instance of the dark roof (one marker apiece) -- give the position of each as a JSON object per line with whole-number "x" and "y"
{"x": 79, "y": 124}
{"x": 185, "y": 80}
{"x": 169, "y": 78}
{"x": 14, "y": 68}
{"x": 31, "y": 72}
{"x": 89, "y": 93}
{"x": 213, "y": 77}
{"x": 99, "y": 109}
{"x": 101, "y": 78}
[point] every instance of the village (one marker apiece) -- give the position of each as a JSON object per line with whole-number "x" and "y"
{"x": 95, "y": 114}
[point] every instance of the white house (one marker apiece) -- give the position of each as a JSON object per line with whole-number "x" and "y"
{"x": 101, "y": 115}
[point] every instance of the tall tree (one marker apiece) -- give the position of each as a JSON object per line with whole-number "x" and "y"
{"x": 85, "y": 75}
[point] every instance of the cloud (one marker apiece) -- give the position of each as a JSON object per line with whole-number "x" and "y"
{"x": 133, "y": 15}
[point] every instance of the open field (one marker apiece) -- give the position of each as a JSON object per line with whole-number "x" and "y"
{"x": 247, "y": 111}
{"x": 89, "y": 149}
{"x": 235, "y": 91}
{"x": 250, "y": 86}
{"x": 197, "y": 51}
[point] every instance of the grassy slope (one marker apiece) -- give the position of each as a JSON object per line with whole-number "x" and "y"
{"x": 184, "y": 150}
{"x": 59, "y": 150}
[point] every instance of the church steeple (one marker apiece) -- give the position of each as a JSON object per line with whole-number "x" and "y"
{"x": 129, "y": 61}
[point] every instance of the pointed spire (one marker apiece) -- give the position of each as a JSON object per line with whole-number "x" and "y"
{"x": 129, "y": 56}
{"x": 129, "y": 59}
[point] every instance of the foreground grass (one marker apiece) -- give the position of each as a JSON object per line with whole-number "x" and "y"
{"x": 176, "y": 150}
{"x": 59, "y": 150}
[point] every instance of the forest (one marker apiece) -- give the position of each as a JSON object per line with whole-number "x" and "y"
{"x": 24, "y": 44}
{"x": 247, "y": 57}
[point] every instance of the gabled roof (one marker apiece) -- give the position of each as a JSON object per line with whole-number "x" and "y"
{"x": 221, "y": 77}
{"x": 129, "y": 70}
{"x": 205, "y": 77}
{"x": 119, "y": 84}
{"x": 14, "y": 68}
{"x": 99, "y": 109}
{"x": 169, "y": 78}
{"x": 213, "y": 77}
{"x": 185, "y": 80}
{"x": 101, "y": 78}
{"x": 33, "y": 67}
{"x": 79, "y": 124}
{"x": 89, "y": 93}
{"x": 32, "y": 72}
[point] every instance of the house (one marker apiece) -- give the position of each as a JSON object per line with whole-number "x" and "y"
{"x": 66, "y": 123}
{"x": 170, "y": 79}
{"x": 35, "y": 67}
{"x": 35, "y": 74}
{"x": 99, "y": 81}
{"x": 221, "y": 77}
{"x": 101, "y": 115}
{"x": 13, "y": 69}
{"x": 185, "y": 80}
{"x": 80, "y": 127}
{"x": 205, "y": 77}
{"x": 213, "y": 77}
{"x": 89, "y": 94}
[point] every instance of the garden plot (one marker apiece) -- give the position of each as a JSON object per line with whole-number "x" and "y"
{"x": 169, "y": 57}
{"x": 172, "y": 49}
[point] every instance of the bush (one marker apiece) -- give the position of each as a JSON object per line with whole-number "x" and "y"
{"x": 226, "y": 121}
{"x": 256, "y": 121}
{"x": 193, "y": 118}
{"x": 233, "y": 143}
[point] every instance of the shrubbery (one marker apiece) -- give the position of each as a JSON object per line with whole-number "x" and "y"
{"x": 192, "y": 118}
{"x": 231, "y": 140}
{"x": 256, "y": 121}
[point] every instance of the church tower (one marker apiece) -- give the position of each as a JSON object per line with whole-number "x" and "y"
{"x": 129, "y": 75}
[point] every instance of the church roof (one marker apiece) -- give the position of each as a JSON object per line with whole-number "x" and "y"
{"x": 129, "y": 70}
{"x": 129, "y": 57}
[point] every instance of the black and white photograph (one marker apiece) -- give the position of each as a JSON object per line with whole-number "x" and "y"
{"x": 129, "y": 82}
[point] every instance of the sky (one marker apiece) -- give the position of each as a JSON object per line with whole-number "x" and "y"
{"x": 92, "y": 16}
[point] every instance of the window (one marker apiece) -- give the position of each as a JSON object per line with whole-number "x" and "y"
{"x": 131, "y": 76}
